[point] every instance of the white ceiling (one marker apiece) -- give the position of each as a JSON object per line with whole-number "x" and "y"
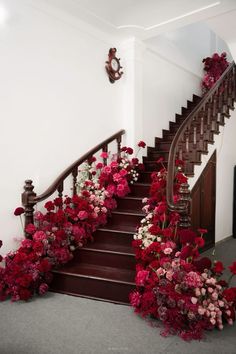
{"x": 141, "y": 18}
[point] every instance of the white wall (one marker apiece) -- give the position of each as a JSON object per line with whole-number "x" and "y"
{"x": 56, "y": 103}
{"x": 173, "y": 71}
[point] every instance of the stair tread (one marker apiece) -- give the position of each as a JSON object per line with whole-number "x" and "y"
{"x": 124, "y": 229}
{"x": 98, "y": 272}
{"x": 113, "y": 229}
{"x": 129, "y": 212}
{"x": 107, "y": 247}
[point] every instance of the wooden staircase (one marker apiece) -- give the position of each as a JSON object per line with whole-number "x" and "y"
{"x": 105, "y": 269}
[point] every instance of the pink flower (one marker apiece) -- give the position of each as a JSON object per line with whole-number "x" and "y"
{"x": 168, "y": 250}
{"x": 83, "y": 215}
{"x": 135, "y": 298}
{"x": 117, "y": 177}
{"x": 114, "y": 164}
{"x": 39, "y": 236}
{"x": 160, "y": 271}
{"x": 193, "y": 279}
{"x": 141, "y": 277}
{"x": 194, "y": 300}
{"x": 104, "y": 155}
{"x": 43, "y": 288}
{"x": 107, "y": 170}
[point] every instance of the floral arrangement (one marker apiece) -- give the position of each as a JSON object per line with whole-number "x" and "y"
{"x": 214, "y": 67}
{"x": 173, "y": 284}
{"x": 67, "y": 224}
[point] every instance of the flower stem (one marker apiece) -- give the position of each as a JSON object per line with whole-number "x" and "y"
{"x": 21, "y": 224}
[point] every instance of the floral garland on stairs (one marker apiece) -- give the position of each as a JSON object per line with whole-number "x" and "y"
{"x": 68, "y": 224}
{"x": 173, "y": 284}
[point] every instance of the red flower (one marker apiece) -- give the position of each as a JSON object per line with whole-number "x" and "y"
{"x": 129, "y": 151}
{"x": 187, "y": 236}
{"x": 142, "y": 144}
{"x": 49, "y": 206}
{"x": 199, "y": 242}
{"x": 232, "y": 268}
{"x": 203, "y": 263}
{"x": 179, "y": 162}
{"x": 30, "y": 229}
{"x": 160, "y": 160}
{"x": 18, "y": 211}
{"x": 230, "y": 294}
{"x": 104, "y": 155}
{"x": 58, "y": 202}
{"x": 218, "y": 267}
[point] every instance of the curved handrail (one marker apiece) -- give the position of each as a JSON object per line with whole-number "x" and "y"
{"x": 177, "y": 139}
{"x": 53, "y": 187}
{"x": 29, "y": 197}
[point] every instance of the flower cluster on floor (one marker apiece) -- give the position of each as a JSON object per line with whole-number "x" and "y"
{"x": 67, "y": 224}
{"x": 173, "y": 283}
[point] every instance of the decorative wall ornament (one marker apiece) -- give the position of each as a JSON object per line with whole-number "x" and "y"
{"x": 113, "y": 66}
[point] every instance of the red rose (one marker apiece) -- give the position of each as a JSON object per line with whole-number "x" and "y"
{"x": 187, "y": 236}
{"x": 30, "y": 229}
{"x": 199, "y": 242}
{"x": 218, "y": 267}
{"x": 232, "y": 268}
{"x": 129, "y": 151}
{"x": 202, "y": 263}
{"x": 141, "y": 144}
{"x": 179, "y": 162}
{"x": 186, "y": 252}
{"x": 58, "y": 201}
{"x": 19, "y": 211}
{"x": 49, "y": 206}
{"x": 202, "y": 231}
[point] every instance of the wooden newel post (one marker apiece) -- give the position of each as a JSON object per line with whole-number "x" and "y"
{"x": 28, "y": 201}
{"x": 185, "y": 200}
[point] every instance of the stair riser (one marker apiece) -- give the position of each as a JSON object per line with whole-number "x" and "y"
{"x": 91, "y": 288}
{"x": 114, "y": 238}
{"x": 140, "y": 191}
{"x": 125, "y": 219}
{"x": 128, "y": 204}
{"x": 146, "y": 177}
{"x": 106, "y": 259}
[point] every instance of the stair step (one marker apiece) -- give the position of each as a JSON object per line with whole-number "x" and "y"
{"x": 129, "y": 203}
{"x": 122, "y": 257}
{"x": 94, "y": 281}
{"x": 145, "y": 177}
{"x": 126, "y": 217}
{"x": 116, "y": 237}
{"x": 140, "y": 190}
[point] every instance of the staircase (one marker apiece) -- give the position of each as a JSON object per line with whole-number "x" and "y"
{"x": 105, "y": 269}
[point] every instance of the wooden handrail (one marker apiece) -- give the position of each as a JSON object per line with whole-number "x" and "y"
{"x": 182, "y": 207}
{"x": 29, "y": 197}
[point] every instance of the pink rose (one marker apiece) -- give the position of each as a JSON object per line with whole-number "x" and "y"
{"x": 83, "y": 215}
{"x": 141, "y": 277}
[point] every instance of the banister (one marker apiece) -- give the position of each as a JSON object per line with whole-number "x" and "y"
{"x": 29, "y": 198}
{"x": 179, "y": 135}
